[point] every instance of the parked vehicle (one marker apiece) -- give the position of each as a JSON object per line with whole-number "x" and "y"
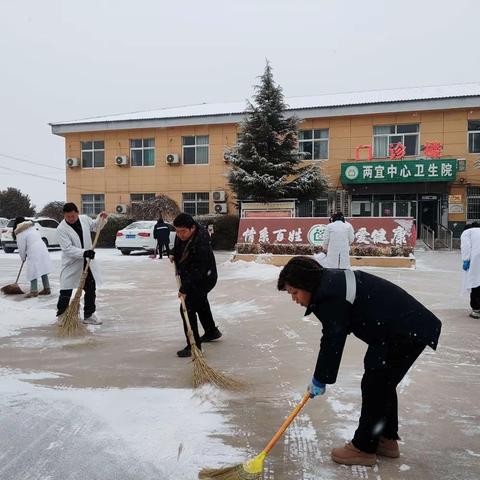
{"x": 139, "y": 236}
{"x": 46, "y": 226}
{"x": 3, "y": 227}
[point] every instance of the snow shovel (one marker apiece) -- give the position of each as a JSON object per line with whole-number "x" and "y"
{"x": 252, "y": 469}
{"x": 13, "y": 288}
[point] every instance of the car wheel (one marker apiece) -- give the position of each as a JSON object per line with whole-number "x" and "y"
{"x": 9, "y": 250}
{"x": 45, "y": 241}
{"x": 125, "y": 251}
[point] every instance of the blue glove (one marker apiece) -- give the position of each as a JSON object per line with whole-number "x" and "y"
{"x": 466, "y": 265}
{"x": 316, "y": 388}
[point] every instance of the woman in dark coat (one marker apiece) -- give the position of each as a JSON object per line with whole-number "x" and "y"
{"x": 396, "y": 328}
{"x": 161, "y": 233}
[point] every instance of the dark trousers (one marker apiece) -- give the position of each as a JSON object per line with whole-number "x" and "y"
{"x": 475, "y": 298}
{"x": 161, "y": 245}
{"x": 198, "y": 305}
{"x": 88, "y": 301}
{"x": 379, "y": 414}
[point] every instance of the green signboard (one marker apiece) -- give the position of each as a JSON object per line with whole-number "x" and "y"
{"x": 399, "y": 171}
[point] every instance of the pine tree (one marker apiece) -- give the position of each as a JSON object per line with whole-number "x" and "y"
{"x": 266, "y": 164}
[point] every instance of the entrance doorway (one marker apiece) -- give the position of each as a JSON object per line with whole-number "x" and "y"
{"x": 428, "y": 214}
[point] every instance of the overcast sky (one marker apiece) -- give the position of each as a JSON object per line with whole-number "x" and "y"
{"x": 64, "y": 60}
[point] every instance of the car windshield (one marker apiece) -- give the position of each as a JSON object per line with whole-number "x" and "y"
{"x": 11, "y": 222}
{"x": 145, "y": 225}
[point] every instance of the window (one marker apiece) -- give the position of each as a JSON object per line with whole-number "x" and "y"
{"x": 142, "y": 152}
{"x": 48, "y": 223}
{"x": 313, "y": 208}
{"x": 93, "y": 154}
{"x": 384, "y": 135}
{"x": 313, "y": 143}
{"x": 92, "y": 204}
{"x": 196, "y": 203}
{"x": 141, "y": 197}
{"x": 474, "y": 136}
{"x": 195, "y": 150}
{"x": 473, "y": 203}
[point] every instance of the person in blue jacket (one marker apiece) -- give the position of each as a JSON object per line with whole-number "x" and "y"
{"x": 396, "y": 327}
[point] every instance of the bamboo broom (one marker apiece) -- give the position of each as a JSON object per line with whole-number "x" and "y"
{"x": 13, "y": 288}
{"x": 202, "y": 372}
{"x": 69, "y": 324}
{"x": 252, "y": 469}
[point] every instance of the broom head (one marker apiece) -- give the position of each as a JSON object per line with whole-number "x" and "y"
{"x": 69, "y": 324}
{"x": 12, "y": 289}
{"x": 250, "y": 470}
{"x": 203, "y": 373}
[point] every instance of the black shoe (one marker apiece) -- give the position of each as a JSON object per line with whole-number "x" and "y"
{"x": 214, "y": 334}
{"x": 186, "y": 352}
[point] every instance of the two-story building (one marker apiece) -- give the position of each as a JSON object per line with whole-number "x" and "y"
{"x": 402, "y": 152}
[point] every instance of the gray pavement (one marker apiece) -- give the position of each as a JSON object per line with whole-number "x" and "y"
{"x": 127, "y": 371}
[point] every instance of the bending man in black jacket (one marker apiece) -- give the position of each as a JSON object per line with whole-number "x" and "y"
{"x": 195, "y": 263}
{"x": 396, "y": 328}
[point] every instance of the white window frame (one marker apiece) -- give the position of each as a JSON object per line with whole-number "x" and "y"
{"x": 142, "y": 149}
{"x": 195, "y": 147}
{"x": 475, "y": 133}
{"x": 98, "y": 205}
{"x": 388, "y": 135}
{"x": 196, "y": 201}
{"x": 313, "y": 140}
{"x": 473, "y": 193}
{"x": 92, "y": 150}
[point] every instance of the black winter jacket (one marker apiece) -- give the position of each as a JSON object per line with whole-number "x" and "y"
{"x": 195, "y": 263}
{"x": 381, "y": 314}
{"x": 161, "y": 232}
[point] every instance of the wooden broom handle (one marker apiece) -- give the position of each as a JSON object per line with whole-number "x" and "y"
{"x": 286, "y": 423}
{"x": 20, "y": 271}
{"x": 185, "y": 312}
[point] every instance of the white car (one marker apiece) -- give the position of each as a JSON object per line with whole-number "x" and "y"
{"x": 139, "y": 236}
{"x": 3, "y": 227}
{"x": 46, "y": 226}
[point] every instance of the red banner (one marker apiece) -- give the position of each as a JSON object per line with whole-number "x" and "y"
{"x": 376, "y": 231}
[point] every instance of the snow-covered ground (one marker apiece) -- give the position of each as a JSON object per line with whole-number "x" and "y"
{"x": 118, "y": 404}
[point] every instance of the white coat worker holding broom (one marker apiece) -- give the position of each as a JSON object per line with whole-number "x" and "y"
{"x": 339, "y": 235}
{"x": 76, "y": 243}
{"x": 32, "y": 250}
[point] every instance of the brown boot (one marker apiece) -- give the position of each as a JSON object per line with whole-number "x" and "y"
{"x": 388, "y": 448}
{"x": 45, "y": 291}
{"x": 31, "y": 294}
{"x": 351, "y": 455}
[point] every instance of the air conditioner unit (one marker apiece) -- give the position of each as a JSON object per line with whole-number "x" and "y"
{"x": 72, "y": 162}
{"x": 121, "y": 208}
{"x": 172, "y": 158}
{"x": 218, "y": 196}
{"x": 121, "y": 160}
{"x": 220, "y": 208}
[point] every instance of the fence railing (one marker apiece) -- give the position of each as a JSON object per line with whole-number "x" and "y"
{"x": 428, "y": 237}
{"x": 442, "y": 239}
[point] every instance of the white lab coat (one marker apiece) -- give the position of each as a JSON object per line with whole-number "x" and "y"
{"x": 32, "y": 250}
{"x": 72, "y": 252}
{"x": 470, "y": 248}
{"x": 337, "y": 240}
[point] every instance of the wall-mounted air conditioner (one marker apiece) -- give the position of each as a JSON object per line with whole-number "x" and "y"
{"x": 172, "y": 159}
{"x": 121, "y": 208}
{"x": 72, "y": 162}
{"x": 121, "y": 160}
{"x": 220, "y": 208}
{"x": 218, "y": 196}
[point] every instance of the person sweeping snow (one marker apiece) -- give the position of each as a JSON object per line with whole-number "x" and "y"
{"x": 396, "y": 328}
{"x": 339, "y": 235}
{"x": 470, "y": 248}
{"x": 76, "y": 244}
{"x": 33, "y": 250}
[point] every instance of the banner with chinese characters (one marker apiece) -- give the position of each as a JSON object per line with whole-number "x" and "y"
{"x": 399, "y": 171}
{"x": 376, "y": 231}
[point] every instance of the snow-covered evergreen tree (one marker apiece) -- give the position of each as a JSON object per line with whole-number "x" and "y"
{"x": 265, "y": 163}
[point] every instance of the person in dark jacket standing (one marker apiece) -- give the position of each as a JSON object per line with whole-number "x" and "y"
{"x": 195, "y": 264}
{"x": 161, "y": 233}
{"x": 396, "y": 328}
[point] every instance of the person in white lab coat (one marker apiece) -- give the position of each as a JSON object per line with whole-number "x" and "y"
{"x": 339, "y": 235}
{"x": 76, "y": 243}
{"x": 32, "y": 250}
{"x": 470, "y": 248}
